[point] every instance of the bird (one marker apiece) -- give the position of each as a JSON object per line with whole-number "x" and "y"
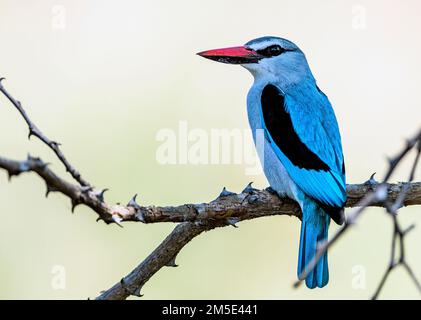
{"x": 297, "y": 138}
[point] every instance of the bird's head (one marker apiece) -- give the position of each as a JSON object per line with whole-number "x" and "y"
{"x": 265, "y": 58}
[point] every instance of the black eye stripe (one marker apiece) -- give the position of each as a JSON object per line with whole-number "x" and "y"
{"x": 271, "y": 51}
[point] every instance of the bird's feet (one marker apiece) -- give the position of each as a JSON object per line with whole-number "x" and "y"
{"x": 271, "y": 190}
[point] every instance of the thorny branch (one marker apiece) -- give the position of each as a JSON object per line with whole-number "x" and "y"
{"x": 228, "y": 206}
{"x": 227, "y": 209}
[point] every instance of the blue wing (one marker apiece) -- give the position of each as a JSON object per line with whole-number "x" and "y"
{"x": 303, "y": 131}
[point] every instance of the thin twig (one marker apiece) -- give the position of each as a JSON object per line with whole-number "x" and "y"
{"x": 35, "y": 131}
{"x": 398, "y": 233}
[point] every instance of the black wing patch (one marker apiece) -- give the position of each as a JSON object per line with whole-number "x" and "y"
{"x": 279, "y": 124}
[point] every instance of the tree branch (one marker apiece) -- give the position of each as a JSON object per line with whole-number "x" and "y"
{"x": 228, "y": 206}
{"x": 163, "y": 255}
{"x": 227, "y": 209}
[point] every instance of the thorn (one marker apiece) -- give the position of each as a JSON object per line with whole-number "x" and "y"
{"x": 36, "y": 161}
{"x": 23, "y": 167}
{"x": 99, "y": 219}
{"x": 232, "y": 221}
{"x": 49, "y": 189}
{"x": 135, "y": 292}
{"x": 2, "y": 79}
{"x": 117, "y": 220}
{"x": 225, "y": 193}
{"x": 132, "y": 203}
{"x": 75, "y": 203}
{"x": 249, "y": 188}
{"x": 372, "y": 180}
{"x": 172, "y": 263}
{"x": 100, "y": 195}
{"x": 139, "y": 213}
{"x": 10, "y": 174}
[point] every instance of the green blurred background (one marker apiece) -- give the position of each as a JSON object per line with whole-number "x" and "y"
{"x": 108, "y": 77}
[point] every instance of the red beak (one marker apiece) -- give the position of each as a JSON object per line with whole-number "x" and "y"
{"x": 234, "y": 55}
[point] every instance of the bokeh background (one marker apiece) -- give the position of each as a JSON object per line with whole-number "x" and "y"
{"x": 103, "y": 77}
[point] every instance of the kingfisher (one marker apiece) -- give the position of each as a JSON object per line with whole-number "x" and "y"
{"x": 297, "y": 139}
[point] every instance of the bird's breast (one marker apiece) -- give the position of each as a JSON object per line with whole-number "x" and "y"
{"x": 273, "y": 168}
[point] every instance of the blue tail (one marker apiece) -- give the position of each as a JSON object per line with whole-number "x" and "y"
{"x": 314, "y": 229}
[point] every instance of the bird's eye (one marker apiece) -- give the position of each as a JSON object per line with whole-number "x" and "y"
{"x": 272, "y": 51}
